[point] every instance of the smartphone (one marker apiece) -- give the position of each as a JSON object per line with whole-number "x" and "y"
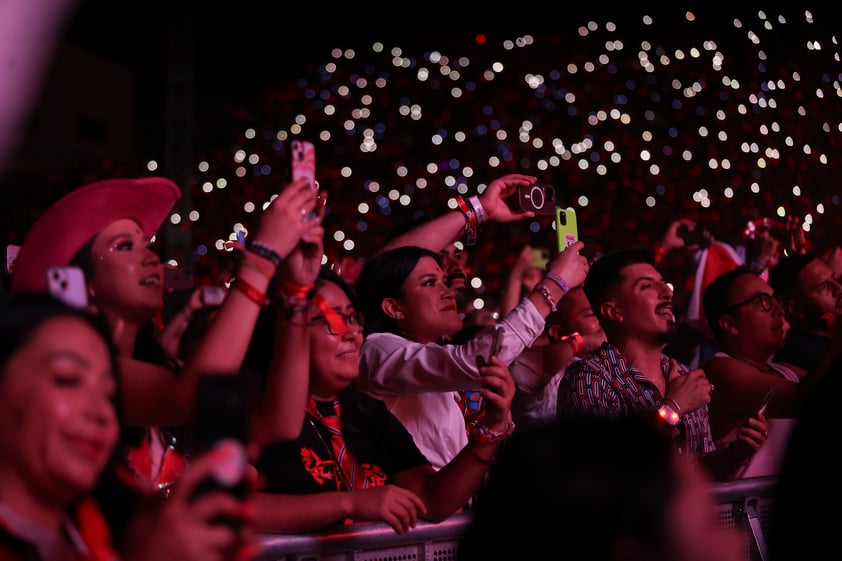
{"x": 539, "y": 198}
{"x": 304, "y": 162}
{"x": 766, "y": 398}
{"x": 698, "y": 236}
{"x": 67, "y": 283}
{"x": 496, "y": 343}
{"x": 566, "y": 228}
{"x": 222, "y": 411}
{"x": 213, "y": 295}
{"x": 176, "y": 278}
{"x": 541, "y": 257}
{"x": 11, "y": 254}
{"x": 476, "y": 404}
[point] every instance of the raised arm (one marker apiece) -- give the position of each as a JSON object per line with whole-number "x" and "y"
{"x": 437, "y": 233}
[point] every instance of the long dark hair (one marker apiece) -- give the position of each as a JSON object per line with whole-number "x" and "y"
{"x": 382, "y": 277}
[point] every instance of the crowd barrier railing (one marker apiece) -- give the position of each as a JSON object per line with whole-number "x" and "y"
{"x": 745, "y": 504}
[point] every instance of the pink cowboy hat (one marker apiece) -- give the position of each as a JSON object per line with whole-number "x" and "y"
{"x": 72, "y": 221}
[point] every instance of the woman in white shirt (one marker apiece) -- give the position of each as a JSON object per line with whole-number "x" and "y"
{"x": 410, "y": 312}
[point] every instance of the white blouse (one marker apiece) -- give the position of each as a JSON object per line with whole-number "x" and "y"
{"x": 420, "y": 382}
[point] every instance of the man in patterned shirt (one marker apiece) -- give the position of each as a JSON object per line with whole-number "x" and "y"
{"x": 630, "y": 375}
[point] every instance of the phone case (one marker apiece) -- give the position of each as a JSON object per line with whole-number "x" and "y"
{"x": 304, "y": 162}
{"x": 566, "y": 228}
{"x": 68, "y": 285}
{"x": 539, "y": 198}
{"x": 11, "y": 254}
{"x": 223, "y": 402}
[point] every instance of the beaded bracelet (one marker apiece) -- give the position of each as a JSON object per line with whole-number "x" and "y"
{"x": 250, "y": 292}
{"x": 559, "y": 280}
{"x": 484, "y": 435}
{"x": 545, "y": 292}
{"x": 263, "y": 250}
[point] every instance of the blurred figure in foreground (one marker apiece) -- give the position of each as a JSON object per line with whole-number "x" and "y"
{"x": 614, "y": 490}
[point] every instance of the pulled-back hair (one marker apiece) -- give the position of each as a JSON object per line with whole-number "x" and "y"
{"x": 382, "y": 277}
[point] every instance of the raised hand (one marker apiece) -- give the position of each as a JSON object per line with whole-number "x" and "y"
{"x": 569, "y": 265}
{"x": 302, "y": 264}
{"x": 187, "y": 527}
{"x": 284, "y": 221}
{"x": 493, "y": 202}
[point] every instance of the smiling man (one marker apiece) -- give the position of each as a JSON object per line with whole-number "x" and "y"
{"x": 630, "y": 375}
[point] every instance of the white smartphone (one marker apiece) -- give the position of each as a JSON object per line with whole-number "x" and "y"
{"x": 68, "y": 284}
{"x": 11, "y": 254}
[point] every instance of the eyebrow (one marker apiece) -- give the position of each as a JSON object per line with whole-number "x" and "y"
{"x": 652, "y": 279}
{"x": 426, "y": 276}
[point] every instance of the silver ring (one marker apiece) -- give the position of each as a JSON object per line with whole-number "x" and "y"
{"x": 712, "y": 387}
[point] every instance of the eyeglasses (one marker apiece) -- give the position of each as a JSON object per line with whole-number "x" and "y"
{"x": 336, "y": 322}
{"x": 764, "y": 301}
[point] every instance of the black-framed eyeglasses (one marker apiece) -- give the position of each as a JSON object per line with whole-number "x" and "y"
{"x": 334, "y": 327}
{"x": 764, "y": 300}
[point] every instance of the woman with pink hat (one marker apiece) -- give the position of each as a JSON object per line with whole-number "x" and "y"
{"x": 105, "y": 228}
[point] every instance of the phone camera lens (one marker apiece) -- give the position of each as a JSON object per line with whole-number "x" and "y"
{"x": 537, "y": 196}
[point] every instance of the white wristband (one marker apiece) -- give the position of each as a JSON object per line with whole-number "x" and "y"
{"x": 478, "y": 210}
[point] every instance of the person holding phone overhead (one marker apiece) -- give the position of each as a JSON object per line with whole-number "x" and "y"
{"x": 410, "y": 314}
{"x": 105, "y": 228}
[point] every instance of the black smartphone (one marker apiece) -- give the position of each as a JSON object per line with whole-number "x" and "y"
{"x": 766, "y": 398}
{"x": 496, "y": 343}
{"x": 538, "y": 197}
{"x": 223, "y": 408}
{"x": 698, "y": 236}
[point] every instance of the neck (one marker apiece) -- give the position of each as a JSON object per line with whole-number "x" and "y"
{"x": 125, "y": 333}
{"x": 644, "y": 355}
{"x": 14, "y": 495}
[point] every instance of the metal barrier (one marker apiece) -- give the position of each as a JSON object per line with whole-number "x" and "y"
{"x": 744, "y": 503}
